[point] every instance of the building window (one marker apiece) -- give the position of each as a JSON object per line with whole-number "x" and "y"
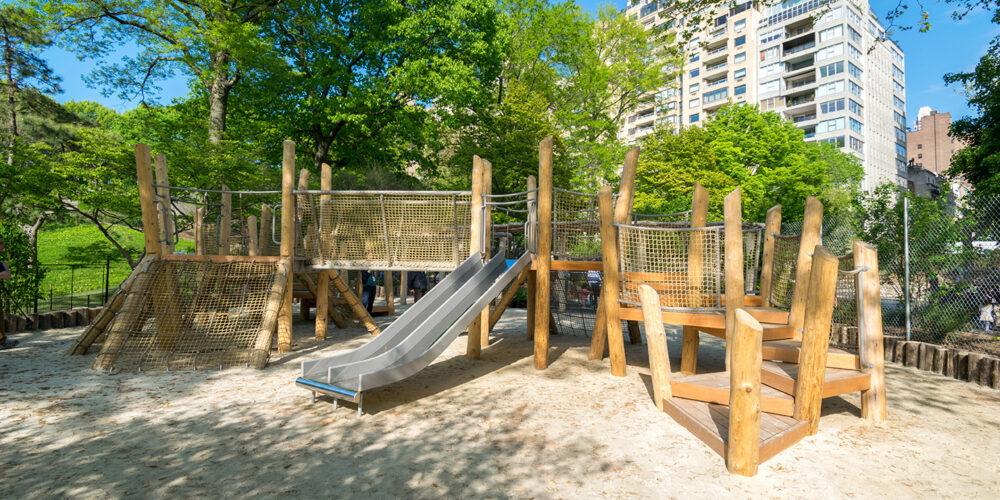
{"x": 853, "y": 16}
{"x": 740, "y": 40}
{"x": 771, "y": 103}
{"x": 771, "y": 69}
{"x": 738, "y": 58}
{"x": 694, "y": 72}
{"x": 900, "y": 135}
{"x": 898, "y": 73}
{"x": 830, "y": 88}
{"x": 738, "y": 26}
{"x": 854, "y": 71}
{"x": 897, "y": 55}
{"x": 855, "y": 89}
{"x": 854, "y": 107}
{"x": 857, "y": 144}
{"x": 771, "y": 86}
{"x": 899, "y": 103}
{"x": 856, "y": 126}
{"x": 837, "y": 141}
{"x": 828, "y": 52}
{"x": 771, "y": 35}
{"x": 920, "y": 146}
{"x": 694, "y": 88}
{"x": 770, "y": 53}
{"x": 900, "y": 119}
{"x": 721, "y": 20}
{"x": 853, "y": 35}
{"x": 900, "y": 150}
{"x": 832, "y": 15}
{"x": 832, "y": 106}
{"x": 898, "y": 87}
{"x": 830, "y": 125}
{"x": 831, "y": 33}
{"x": 742, "y": 89}
{"x": 831, "y": 69}
{"x": 920, "y": 155}
{"x": 740, "y": 73}
{"x": 695, "y": 58}
{"x": 854, "y": 52}
{"x": 693, "y": 118}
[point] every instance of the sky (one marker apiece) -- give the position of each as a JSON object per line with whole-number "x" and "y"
{"x": 950, "y": 46}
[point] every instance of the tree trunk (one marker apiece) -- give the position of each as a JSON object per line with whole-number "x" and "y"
{"x": 218, "y": 96}
{"x": 323, "y": 144}
{"x": 8, "y": 57}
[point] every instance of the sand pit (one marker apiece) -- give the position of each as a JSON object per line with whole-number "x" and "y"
{"x": 459, "y": 429}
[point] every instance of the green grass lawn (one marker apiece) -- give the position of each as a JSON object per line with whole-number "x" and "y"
{"x": 77, "y": 255}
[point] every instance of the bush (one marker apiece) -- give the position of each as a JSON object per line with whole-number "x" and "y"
{"x": 18, "y": 255}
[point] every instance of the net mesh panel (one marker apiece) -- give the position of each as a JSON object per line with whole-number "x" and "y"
{"x": 385, "y": 231}
{"x": 576, "y": 226}
{"x": 659, "y": 257}
{"x": 752, "y": 238}
{"x": 786, "y": 260}
{"x": 844, "y": 324}
{"x": 574, "y": 298}
{"x": 678, "y": 219}
{"x": 182, "y": 315}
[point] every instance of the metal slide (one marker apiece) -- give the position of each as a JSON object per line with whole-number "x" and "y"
{"x": 424, "y": 331}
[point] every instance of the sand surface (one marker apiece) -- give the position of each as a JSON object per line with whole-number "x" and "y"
{"x": 459, "y": 429}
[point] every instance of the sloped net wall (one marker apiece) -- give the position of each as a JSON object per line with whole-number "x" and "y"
{"x": 195, "y": 314}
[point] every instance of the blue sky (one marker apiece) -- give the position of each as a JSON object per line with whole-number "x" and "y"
{"x": 950, "y": 46}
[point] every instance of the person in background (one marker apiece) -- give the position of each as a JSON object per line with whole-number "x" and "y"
{"x": 368, "y": 287}
{"x": 594, "y": 281}
{"x": 986, "y": 315}
{"x": 4, "y": 276}
{"x": 418, "y": 283}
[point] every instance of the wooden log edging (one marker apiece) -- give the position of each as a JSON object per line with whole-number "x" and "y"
{"x": 960, "y": 364}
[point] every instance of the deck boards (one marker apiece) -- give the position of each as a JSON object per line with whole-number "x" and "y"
{"x": 714, "y": 388}
{"x": 836, "y": 381}
{"x": 787, "y": 351}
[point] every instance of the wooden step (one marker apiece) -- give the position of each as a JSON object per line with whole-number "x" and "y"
{"x": 787, "y": 351}
{"x": 706, "y": 319}
{"x": 709, "y": 422}
{"x": 836, "y": 381}
{"x": 714, "y": 388}
{"x": 771, "y": 332}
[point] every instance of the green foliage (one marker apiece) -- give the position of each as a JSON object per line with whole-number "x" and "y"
{"x": 741, "y": 146}
{"x": 18, "y": 255}
{"x": 979, "y": 162}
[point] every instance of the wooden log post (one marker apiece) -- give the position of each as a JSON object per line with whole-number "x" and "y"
{"x": 695, "y": 273}
{"x": 812, "y": 223}
{"x": 772, "y": 226}
{"x": 287, "y": 251}
{"x": 487, "y": 225}
{"x": 225, "y": 228}
{"x": 390, "y": 292}
{"x": 940, "y": 355}
{"x": 743, "y": 446}
{"x": 199, "y": 231}
{"x": 474, "y": 338}
{"x": 322, "y": 294}
{"x": 543, "y": 257}
{"x": 252, "y": 244}
{"x": 166, "y": 207}
{"x": 816, "y": 337}
{"x": 623, "y": 215}
{"x": 610, "y": 289}
{"x": 354, "y": 303}
{"x": 656, "y": 344}
{"x": 404, "y": 287}
{"x": 150, "y": 226}
{"x": 265, "y": 230}
{"x": 532, "y": 285}
{"x": 735, "y": 289}
{"x": 873, "y": 401}
{"x": 926, "y": 362}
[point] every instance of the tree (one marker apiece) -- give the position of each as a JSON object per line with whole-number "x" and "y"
{"x": 741, "y": 146}
{"x": 211, "y": 41}
{"x": 979, "y": 162}
{"x": 23, "y": 37}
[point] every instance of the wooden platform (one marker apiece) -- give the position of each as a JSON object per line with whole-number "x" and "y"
{"x": 836, "y": 381}
{"x": 771, "y": 332}
{"x": 708, "y": 319}
{"x": 710, "y": 423}
{"x": 787, "y": 351}
{"x": 714, "y": 388}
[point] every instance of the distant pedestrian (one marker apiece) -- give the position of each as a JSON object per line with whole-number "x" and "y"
{"x": 986, "y": 315}
{"x": 368, "y": 287}
{"x": 418, "y": 283}
{"x": 594, "y": 281}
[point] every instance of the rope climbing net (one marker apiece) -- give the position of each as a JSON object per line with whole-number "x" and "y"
{"x": 576, "y": 225}
{"x": 193, "y": 314}
{"x": 391, "y": 230}
{"x": 786, "y": 261}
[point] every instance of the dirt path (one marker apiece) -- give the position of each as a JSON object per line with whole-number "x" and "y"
{"x": 459, "y": 429}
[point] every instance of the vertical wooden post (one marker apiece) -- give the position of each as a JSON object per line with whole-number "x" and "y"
{"x": 743, "y": 448}
{"x": 610, "y": 289}
{"x": 812, "y": 223}
{"x": 160, "y": 163}
{"x": 772, "y": 226}
{"x": 323, "y": 279}
{"x": 253, "y": 245}
{"x": 656, "y": 344}
{"x": 599, "y": 337}
{"x": 144, "y": 177}
{"x": 404, "y": 287}
{"x": 543, "y": 257}
{"x": 532, "y": 274}
{"x": 623, "y": 215}
{"x": 873, "y": 401}
{"x": 287, "y": 251}
{"x": 816, "y": 337}
{"x": 199, "y": 231}
{"x": 735, "y": 290}
{"x": 225, "y": 228}
{"x": 390, "y": 292}
{"x": 487, "y": 222}
{"x": 474, "y": 338}
{"x": 265, "y": 230}
{"x": 696, "y": 257}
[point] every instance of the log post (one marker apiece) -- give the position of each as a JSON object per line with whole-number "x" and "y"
{"x": 873, "y": 401}
{"x": 743, "y": 447}
{"x": 265, "y": 230}
{"x": 623, "y": 215}
{"x": 252, "y": 246}
{"x": 532, "y": 274}
{"x": 322, "y": 294}
{"x": 166, "y": 209}
{"x": 487, "y": 222}
{"x": 390, "y": 292}
{"x": 543, "y": 257}
{"x": 354, "y": 303}
{"x": 610, "y": 289}
{"x": 199, "y": 231}
{"x": 656, "y": 344}
{"x": 812, "y": 223}
{"x": 404, "y": 287}
{"x": 599, "y": 337}
{"x": 735, "y": 289}
{"x": 695, "y": 273}
{"x": 150, "y": 227}
{"x": 474, "y": 338}
{"x": 816, "y": 337}
{"x": 287, "y": 250}
{"x": 772, "y": 226}
{"x": 225, "y": 228}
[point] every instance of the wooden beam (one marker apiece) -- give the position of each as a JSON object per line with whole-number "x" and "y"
{"x": 252, "y": 245}
{"x": 404, "y": 287}
{"x": 743, "y": 446}
{"x": 733, "y": 221}
{"x": 473, "y": 344}
{"x": 610, "y": 291}
{"x": 656, "y": 345}
{"x": 532, "y": 285}
{"x": 816, "y": 337}
{"x": 354, "y": 303}
{"x": 287, "y": 251}
{"x": 812, "y": 223}
{"x": 225, "y": 228}
{"x": 696, "y": 248}
{"x": 507, "y": 297}
{"x": 772, "y": 226}
{"x": 199, "y": 231}
{"x": 599, "y": 337}
{"x": 166, "y": 209}
{"x": 324, "y": 307}
{"x": 873, "y": 401}
{"x": 389, "y": 284}
{"x": 572, "y": 265}
{"x": 689, "y": 349}
{"x": 150, "y": 226}
{"x": 265, "y": 229}
{"x": 543, "y": 256}
{"x": 219, "y": 258}
{"x": 484, "y": 315}
{"x": 623, "y": 215}
{"x": 272, "y": 310}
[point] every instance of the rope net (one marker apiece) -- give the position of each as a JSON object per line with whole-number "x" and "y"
{"x": 191, "y": 314}
{"x": 844, "y": 324}
{"x": 392, "y": 231}
{"x": 576, "y": 226}
{"x": 786, "y": 260}
{"x": 683, "y": 265}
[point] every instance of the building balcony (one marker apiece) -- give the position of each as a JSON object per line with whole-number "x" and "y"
{"x": 798, "y": 119}
{"x": 714, "y": 69}
{"x": 720, "y": 81}
{"x": 712, "y": 52}
{"x": 717, "y": 34}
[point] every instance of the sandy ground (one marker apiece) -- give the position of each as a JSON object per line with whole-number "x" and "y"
{"x": 459, "y": 429}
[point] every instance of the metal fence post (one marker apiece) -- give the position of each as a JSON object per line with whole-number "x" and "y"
{"x": 906, "y": 262}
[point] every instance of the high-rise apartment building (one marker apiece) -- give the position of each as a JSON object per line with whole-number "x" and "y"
{"x": 822, "y": 64}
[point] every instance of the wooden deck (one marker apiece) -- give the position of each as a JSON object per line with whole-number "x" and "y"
{"x": 787, "y": 351}
{"x": 836, "y": 381}
{"x": 714, "y": 388}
